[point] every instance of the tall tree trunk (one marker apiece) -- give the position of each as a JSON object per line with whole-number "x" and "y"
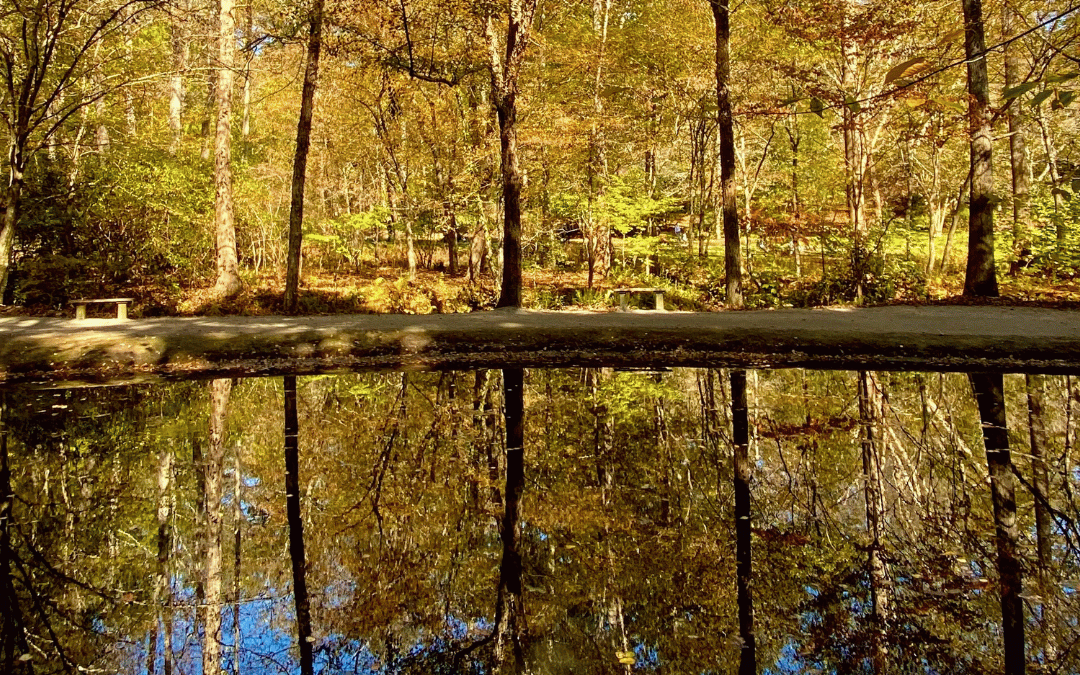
{"x": 303, "y": 144}
{"x": 1017, "y": 149}
{"x": 726, "y": 136}
{"x": 600, "y": 249}
{"x": 981, "y": 277}
{"x": 505, "y": 69}
{"x": 228, "y": 275}
{"x": 734, "y": 296}
{"x": 990, "y": 397}
{"x": 296, "y": 528}
{"x": 10, "y": 219}
{"x": 178, "y": 40}
{"x": 1055, "y": 176}
{"x": 213, "y": 465}
{"x": 249, "y": 53}
{"x": 852, "y": 148}
{"x": 869, "y": 409}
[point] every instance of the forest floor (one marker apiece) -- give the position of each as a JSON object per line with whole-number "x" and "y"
{"x": 387, "y": 289}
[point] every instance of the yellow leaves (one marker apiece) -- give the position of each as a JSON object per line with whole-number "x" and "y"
{"x": 626, "y": 658}
{"x": 915, "y": 99}
{"x": 907, "y": 69}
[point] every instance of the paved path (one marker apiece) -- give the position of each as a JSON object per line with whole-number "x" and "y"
{"x": 930, "y": 338}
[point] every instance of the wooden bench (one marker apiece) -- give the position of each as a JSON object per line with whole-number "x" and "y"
{"x": 624, "y": 292}
{"x": 121, "y": 306}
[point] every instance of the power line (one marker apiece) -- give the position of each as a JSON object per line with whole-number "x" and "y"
{"x": 932, "y": 73}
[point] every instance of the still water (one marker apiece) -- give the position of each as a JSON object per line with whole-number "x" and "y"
{"x": 150, "y": 529}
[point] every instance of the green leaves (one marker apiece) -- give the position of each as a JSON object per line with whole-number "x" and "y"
{"x": 817, "y": 107}
{"x": 1019, "y": 90}
{"x": 1059, "y": 98}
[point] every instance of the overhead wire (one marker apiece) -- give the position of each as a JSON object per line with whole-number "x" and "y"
{"x": 925, "y": 76}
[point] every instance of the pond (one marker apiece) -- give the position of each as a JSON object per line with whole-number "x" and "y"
{"x": 155, "y": 527}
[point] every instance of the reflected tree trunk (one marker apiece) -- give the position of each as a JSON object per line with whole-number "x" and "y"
{"x": 13, "y": 638}
{"x": 296, "y": 527}
{"x": 199, "y": 536}
{"x": 990, "y": 397}
{"x": 510, "y": 613}
{"x": 743, "y": 568}
{"x": 162, "y": 591}
{"x": 213, "y": 487}
{"x": 1036, "y": 398}
{"x": 869, "y": 409}
{"x": 238, "y": 515}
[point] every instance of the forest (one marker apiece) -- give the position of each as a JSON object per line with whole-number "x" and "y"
{"x": 444, "y": 156}
{"x": 176, "y": 152}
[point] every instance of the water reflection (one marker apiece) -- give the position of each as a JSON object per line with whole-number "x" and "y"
{"x": 557, "y": 521}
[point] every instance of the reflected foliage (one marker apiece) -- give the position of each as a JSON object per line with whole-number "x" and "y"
{"x": 625, "y": 527}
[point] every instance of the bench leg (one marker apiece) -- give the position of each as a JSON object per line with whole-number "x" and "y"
{"x": 659, "y": 302}
{"x": 622, "y": 301}
{"x": 80, "y": 311}
{"x": 121, "y": 310}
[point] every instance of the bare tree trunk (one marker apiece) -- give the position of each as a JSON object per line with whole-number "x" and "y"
{"x": 180, "y": 48}
{"x": 981, "y": 277}
{"x": 7, "y": 227}
{"x": 726, "y": 136}
{"x": 990, "y": 397}
{"x": 451, "y": 245}
{"x": 734, "y": 296}
{"x": 303, "y": 144}
{"x": 228, "y": 275}
{"x": 296, "y": 527}
{"x": 505, "y": 69}
{"x": 1017, "y": 149}
{"x": 249, "y": 49}
{"x": 1055, "y": 176}
{"x": 213, "y": 490}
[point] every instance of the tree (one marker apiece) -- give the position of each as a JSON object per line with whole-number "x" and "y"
{"x": 505, "y": 69}
{"x": 981, "y": 277}
{"x": 228, "y": 275}
{"x": 303, "y": 143}
{"x": 732, "y": 267}
{"x": 51, "y": 57}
